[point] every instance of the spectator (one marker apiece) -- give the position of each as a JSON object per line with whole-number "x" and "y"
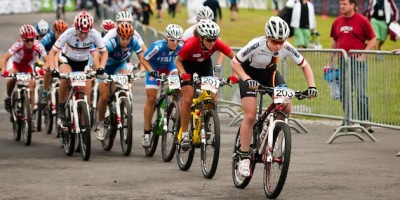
{"x": 234, "y": 9}
{"x": 146, "y": 12}
{"x": 172, "y": 4}
{"x": 349, "y": 31}
{"x": 381, "y": 13}
{"x": 215, "y": 7}
{"x": 303, "y": 22}
{"x": 159, "y": 9}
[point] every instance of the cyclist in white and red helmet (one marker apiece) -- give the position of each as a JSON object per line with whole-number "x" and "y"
{"x": 107, "y": 25}
{"x": 76, "y": 43}
{"x": 24, "y": 54}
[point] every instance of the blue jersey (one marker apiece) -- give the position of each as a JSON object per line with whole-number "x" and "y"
{"x": 115, "y": 54}
{"x": 159, "y": 55}
{"x": 48, "y": 41}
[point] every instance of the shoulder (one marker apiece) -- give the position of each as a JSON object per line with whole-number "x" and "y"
{"x": 17, "y": 45}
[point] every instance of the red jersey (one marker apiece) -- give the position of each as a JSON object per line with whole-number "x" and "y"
{"x": 193, "y": 51}
{"x": 352, "y": 33}
{"x": 24, "y": 58}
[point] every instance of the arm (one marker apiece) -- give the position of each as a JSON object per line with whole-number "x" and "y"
{"x": 96, "y": 58}
{"x": 179, "y": 64}
{"x": 103, "y": 58}
{"x": 308, "y": 74}
{"x": 237, "y": 69}
{"x": 4, "y": 61}
{"x": 53, "y": 58}
{"x": 144, "y": 63}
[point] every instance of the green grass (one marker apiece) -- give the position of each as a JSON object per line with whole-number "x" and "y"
{"x": 249, "y": 25}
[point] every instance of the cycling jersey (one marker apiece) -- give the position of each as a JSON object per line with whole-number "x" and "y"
{"x": 189, "y": 32}
{"x": 23, "y": 58}
{"x": 74, "y": 48}
{"x": 48, "y": 41}
{"x": 113, "y": 33}
{"x": 161, "y": 59}
{"x": 192, "y": 49}
{"x": 117, "y": 57}
{"x": 256, "y": 54}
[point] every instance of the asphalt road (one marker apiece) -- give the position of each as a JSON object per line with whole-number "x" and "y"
{"x": 346, "y": 169}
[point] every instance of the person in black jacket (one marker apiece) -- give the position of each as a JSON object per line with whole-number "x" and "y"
{"x": 214, "y": 6}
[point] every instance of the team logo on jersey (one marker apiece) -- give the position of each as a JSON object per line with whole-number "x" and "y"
{"x": 251, "y": 48}
{"x": 196, "y": 55}
{"x": 292, "y": 50}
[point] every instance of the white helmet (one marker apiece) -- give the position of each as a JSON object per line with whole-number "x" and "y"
{"x": 174, "y": 31}
{"x": 42, "y": 27}
{"x": 276, "y": 28}
{"x": 124, "y": 16}
{"x": 208, "y": 29}
{"x": 205, "y": 12}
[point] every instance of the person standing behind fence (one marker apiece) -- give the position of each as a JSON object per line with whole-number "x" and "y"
{"x": 381, "y": 13}
{"x": 303, "y": 21}
{"x": 352, "y": 30}
{"x": 234, "y": 9}
{"x": 172, "y": 4}
{"x": 215, "y": 7}
{"x": 146, "y": 12}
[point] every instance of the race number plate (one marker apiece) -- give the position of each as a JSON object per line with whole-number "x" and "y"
{"x": 174, "y": 82}
{"x": 77, "y": 78}
{"x": 120, "y": 80}
{"x": 209, "y": 83}
{"x": 283, "y": 95}
{"x": 23, "y": 78}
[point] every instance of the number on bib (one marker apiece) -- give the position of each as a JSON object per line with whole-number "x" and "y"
{"x": 283, "y": 95}
{"x": 174, "y": 82}
{"x": 209, "y": 83}
{"x": 78, "y": 78}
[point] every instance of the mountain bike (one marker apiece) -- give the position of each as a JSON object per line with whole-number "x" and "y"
{"x": 165, "y": 117}
{"x": 204, "y": 127}
{"x": 120, "y": 113}
{"x": 21, "y": 112}
{"x": 50, "y": 109}
{"x": 271, "y": 144}
{"x": 77, "y": 116}
{"x": 38, "y": 112}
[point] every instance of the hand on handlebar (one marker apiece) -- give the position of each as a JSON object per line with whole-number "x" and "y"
{"x": 252, "y": 84}
{"x": 55, "y": 73}
{"x": 5, "y": 73}
{"x": 185, "y": 77}
{"x": 312, "y": 92}
{"x": 232, "y": 80}
{"x": 154, "y": 74}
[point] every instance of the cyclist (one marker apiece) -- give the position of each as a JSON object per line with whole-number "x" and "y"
{"x": 42, "y": 28}
{"x": 160, "y": 56}
{"x": 256, "y": 64}
{"x": 48, "y": 41}
{"x": 75, "y": 43}
{"x": 195, "y": 56}
{"x": 125, "y": 16}
{"x": 24, "y": 54}
{"x": 107, "y": 25}
{"x": 203, "y": 12}
{"x": 119, "y": 48}
{"x": 60, "y": 9}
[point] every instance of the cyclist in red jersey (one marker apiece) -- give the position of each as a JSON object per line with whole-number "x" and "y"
{"x": 24, "y": 52}
{"x": 195, "y": 56}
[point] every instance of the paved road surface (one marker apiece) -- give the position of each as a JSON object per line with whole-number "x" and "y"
{"x": 347, "y": 169}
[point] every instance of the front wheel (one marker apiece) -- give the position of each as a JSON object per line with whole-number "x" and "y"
{"x": 26, "y": 122}
{"x": 275, "y": 172}
{"x": 184, "y": 158}
{"x": 155, "y": 127}
{"x": 67, "y": 137}
{"x": 48, "y": 118}
{"x": 210, "y": 149}
{"x": 84, "y": 135}
{"x": 110, "y": 128}
{"x": 15, "y": 119}
{"x": 168, "y": 142}
{"x": 126, "y": 129}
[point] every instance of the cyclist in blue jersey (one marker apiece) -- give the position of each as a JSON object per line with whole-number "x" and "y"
{"x": 119, "y": 49}
{"x": 161, "y": 56}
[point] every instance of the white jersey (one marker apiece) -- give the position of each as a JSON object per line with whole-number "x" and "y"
{"x": 113, "y": 33}
{"x": 256, "y": 54}
{"x": 189, "y": 32}
{"x": 75, "y": 49}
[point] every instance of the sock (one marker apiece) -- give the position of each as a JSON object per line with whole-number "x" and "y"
{"x": 146, "y": 132}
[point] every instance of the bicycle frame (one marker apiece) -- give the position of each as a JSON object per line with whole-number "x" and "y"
{"x": 121, "y": 92}
{"x": 54, "y": 87}
{"x": 22, "y": 87}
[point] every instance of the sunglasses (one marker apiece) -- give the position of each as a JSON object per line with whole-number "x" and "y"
{"x": 29, "y": 40}
{"x": 173, "y": 40}
{"x": 277, "y": 42}
{"x": 210, "y": 40}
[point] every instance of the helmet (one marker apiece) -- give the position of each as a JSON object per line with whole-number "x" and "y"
{"x": 276, "y": 28}
{"x": 174, "y": 31}
{"x": 125, "y": 29}
{"x": 60, "y": 26}
{"x": 107, "y": 24}
{"x": 207, "y": 28}
{"x": 27, "y": 31}
{"x": 42, "y": 27}
{"x": 124, "y": 16}
{"x": 83, "y": 22}
{"x": 205, "y": 12}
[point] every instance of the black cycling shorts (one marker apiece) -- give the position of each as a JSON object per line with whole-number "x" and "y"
{"x": 201, "y": 68}
{"x": 76, "y": 66}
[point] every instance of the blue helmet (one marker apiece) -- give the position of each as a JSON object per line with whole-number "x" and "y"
{"x": 42, "y": 27}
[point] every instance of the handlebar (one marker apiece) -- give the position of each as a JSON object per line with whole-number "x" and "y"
{"x": 90, "y": 74}
{"x": 270, "y": 90}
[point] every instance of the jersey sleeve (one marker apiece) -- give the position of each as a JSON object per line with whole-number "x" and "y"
{"x": 151, "y": 52}
{"x": 98, "y": 41}
{"x": 15, "y": 47}
{"x": 60, "y": 42}
{"x": 222, "y": 47}
{"x": 245, "y": 52}
{"x": 110, "y": 45}
{"x": 139, "y": 38}
{"x": 289, "y": 50}
{"x": 40, "y": 48}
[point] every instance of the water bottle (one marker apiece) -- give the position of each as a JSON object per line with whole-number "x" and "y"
{"x": 331, "y": 75}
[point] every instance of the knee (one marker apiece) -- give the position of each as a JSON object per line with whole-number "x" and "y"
{"x": 151, "y": 99}
{"x": 249, "y": 118}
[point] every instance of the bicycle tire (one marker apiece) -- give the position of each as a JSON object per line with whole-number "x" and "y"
{"x": 55, "y": 116}
{"x": 153, "y": 132}
{"x": 93, "y": 111}
{"x": 84, "y": 135}
{"x": 110, "y": 128}
{"x": 213, "y": 140}
{"x": 67, "y": 137}
{"x": 26, "y": 125}
{"x": 16, "y": 121}
{"x": 283, "y": 143}
{"x": 238, "y": 180}
{"x": 39, "y": 112}
{"x": 184, "y": 158}
{"x": 48, "y": 118}
{"x": 126, "y": 129}
{"x": 168, "y": 141}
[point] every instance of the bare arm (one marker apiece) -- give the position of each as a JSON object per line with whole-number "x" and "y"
{"x": 179, "y": 64}
{"x": 238, "y": 70}
{"x": 308, "y": 74}
{"x": 4, "y": 61}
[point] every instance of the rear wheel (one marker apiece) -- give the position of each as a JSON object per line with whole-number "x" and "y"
{"x": 67, "y": 137}
{"x": 55, "y": 116}
{"x": 48, "y": 118}
{"x": 275, "y": 172}
{"x": 238, "y": 180}
{"x": 84, "y": 135}
{"x": 126, "y": 129}
{"x": 39, "y": 111}
{"x": 210, "y": 149}
{"x": 26, "y": 122}
{"x": 110, "y": 129}
{"x": 15, "y": 119}
{"x": 93, "y": 110}
{"x": 168, "y": 142}
{"x": 154, "y": 131}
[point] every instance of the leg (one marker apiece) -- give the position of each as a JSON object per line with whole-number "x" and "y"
{"x": 101, "y": 109}
{"x": 149, "y": 107}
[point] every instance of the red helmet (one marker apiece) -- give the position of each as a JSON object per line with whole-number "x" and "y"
{"x": 27, "y": 31}
{"x": 107, "y": 24}
{"x": 60, "y": 26}
{"x": 83, "y": 22}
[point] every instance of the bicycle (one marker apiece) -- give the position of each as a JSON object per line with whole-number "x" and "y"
{"x": 271, "y": 144}
{"x": 21, "y": 112}
{"x": 50, "y": 109}
{"x": 204, "y": 127}
{"x": 77, "y": 116}
{"x": 165, "y": 117}
{"x": 38, "y": 112}
{"x": 119, "y": 113}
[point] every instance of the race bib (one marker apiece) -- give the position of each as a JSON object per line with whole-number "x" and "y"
{"x": 209, "y": 83}
{"x": 77, "y": 78}
{"x": 283, "y": 95}
{"x": 174, "y": 82}
{"x": 120, "y": 80}
{"x": 23, "y": 79}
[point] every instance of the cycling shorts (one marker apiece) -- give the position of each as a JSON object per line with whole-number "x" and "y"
{"x": 22, "y": 67}
{"x": 76, "y": 66}
{"x": 113, "y": 69}
{"x": 201, "y": 68}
